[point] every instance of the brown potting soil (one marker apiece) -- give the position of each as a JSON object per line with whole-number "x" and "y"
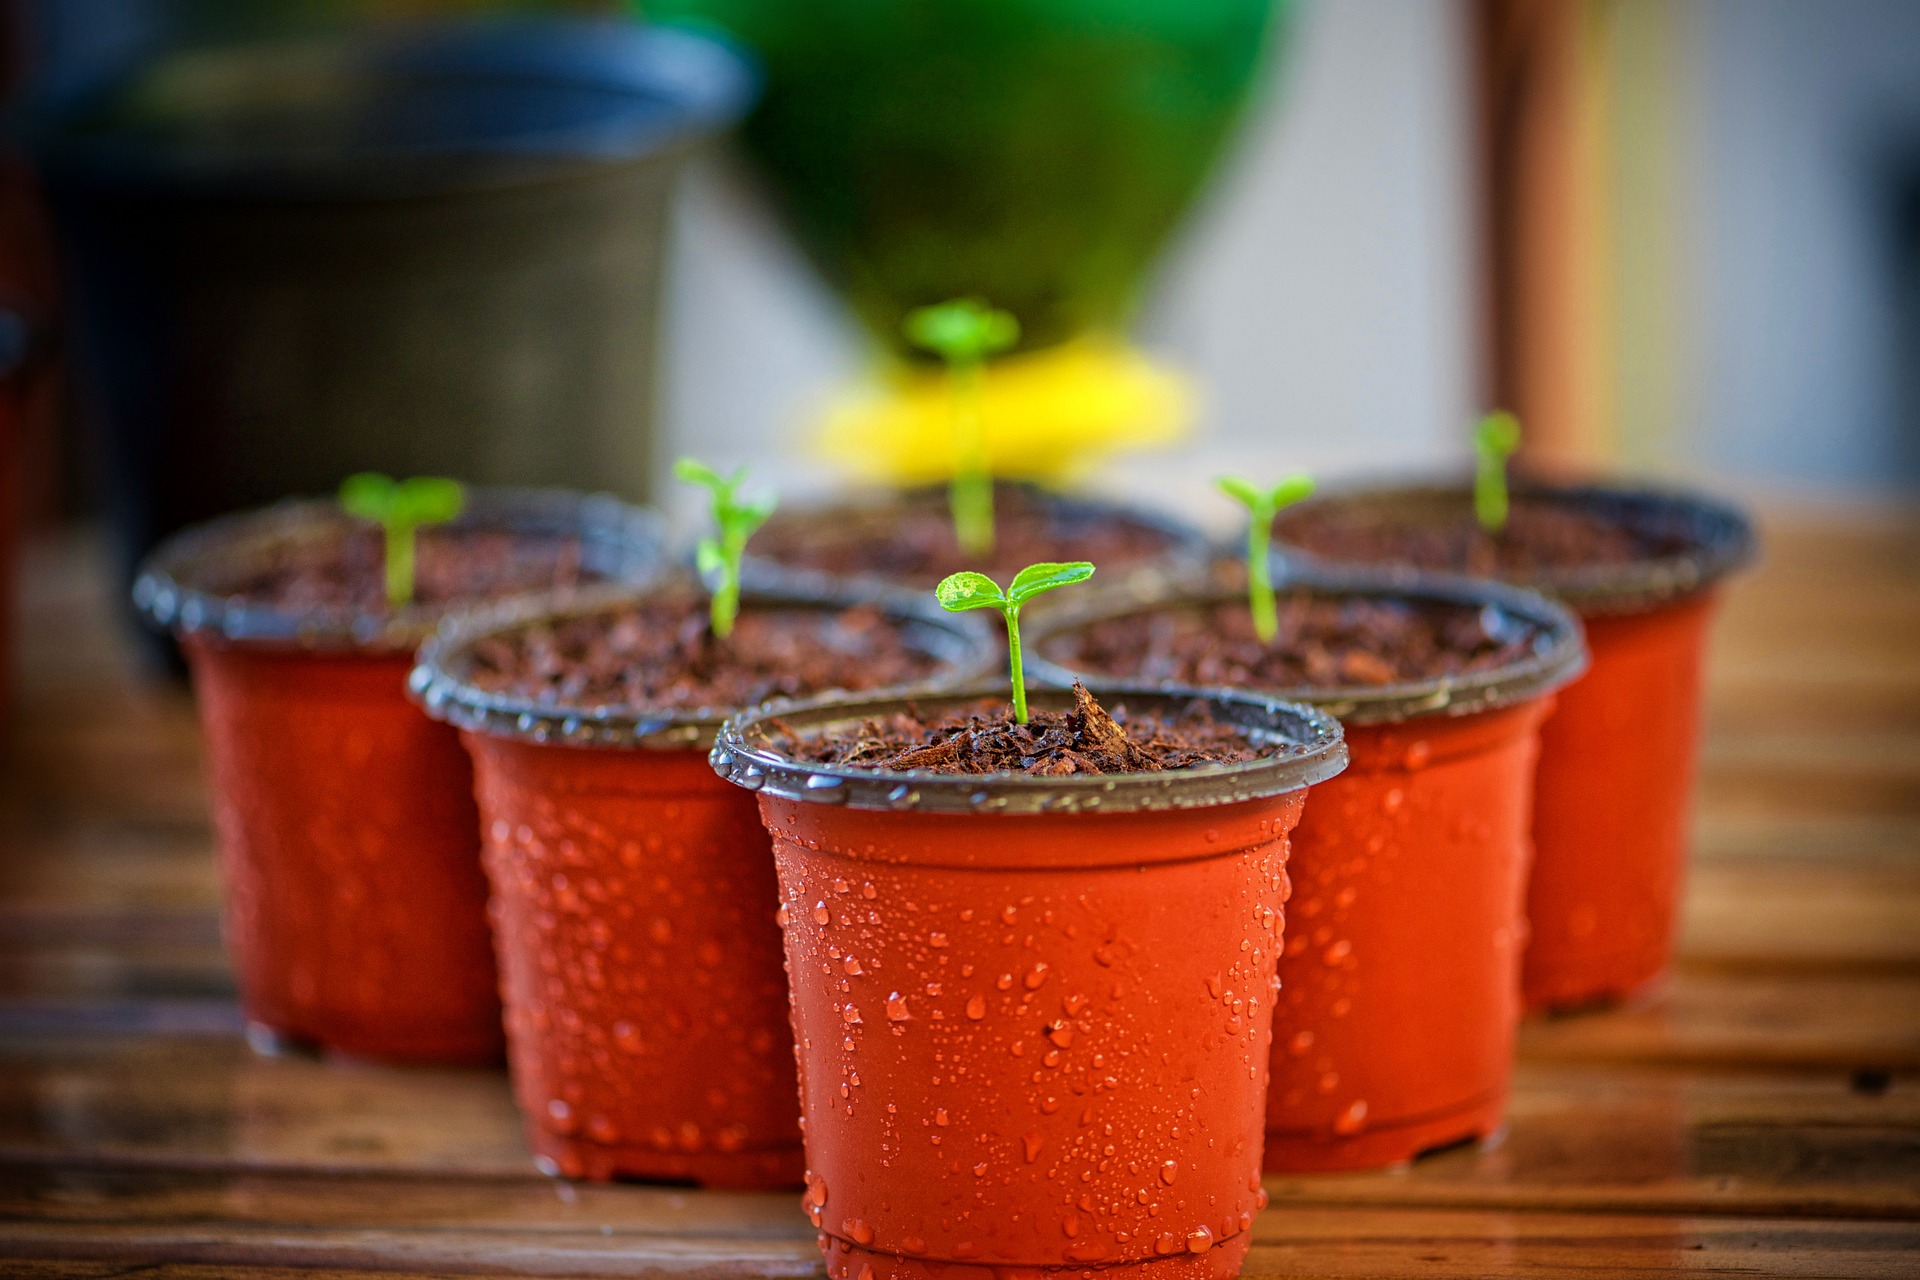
{"x": 451, "y": 565}
{"x": 1324, "y": 641}
{"x": 983, "y": 737}
{"x": 1542, "y": 535}
{"x": 910, "y": 541}
{"x": 661, "y": 653}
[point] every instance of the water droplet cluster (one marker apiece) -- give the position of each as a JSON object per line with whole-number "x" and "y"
{"x": 635, "y": 915}
{"x": 1018, "y": 1067}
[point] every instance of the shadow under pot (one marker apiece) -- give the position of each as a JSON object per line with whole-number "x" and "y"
{"x": 349, "y": 842}
{"x": 1033, "y": 1011}
{"x": 906, "y": 539}
{"x": 633, "y": 892}
{"x": 1614, "y": 791}
{"x": 1399, "y": 984}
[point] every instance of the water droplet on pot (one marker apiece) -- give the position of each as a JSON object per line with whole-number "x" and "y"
{"x": 1031, "y": 1144}
{"x": 1169, "y": 1171}
{"x": 857, "y": 1230}
{"x": 752, "y": 777}
{"x": 1200, "y": 1239}
{"x": 1353, "y": 1119}
{"x": 852, "y": 966}
{"x": 897, "y": 1008}
{"x": 1036, "y": 975}
{"x": 977, "y": 1007}
{"x": 820, "y": 913}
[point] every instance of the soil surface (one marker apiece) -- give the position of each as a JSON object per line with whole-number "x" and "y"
{"x": 984, "y": 738}
{"x": 451, "y": 565}
{"x": 1542, "y": 536}
{"x": 1324, "y": 641}
{"x": 910, "y": 541}
{"x": 661, "y": 654}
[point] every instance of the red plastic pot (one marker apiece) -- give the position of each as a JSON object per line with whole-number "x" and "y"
{"x": 1613, "y": 808}
{"x": 1399, "y": 990}
{"x": 348, "y": 836}
{"x": 1034, "y": 1015}
{"x": 633, "y": 908}
{"x": 1615, "y": 781}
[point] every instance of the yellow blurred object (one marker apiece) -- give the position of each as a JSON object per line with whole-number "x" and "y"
{"x": 1047, "y": 416}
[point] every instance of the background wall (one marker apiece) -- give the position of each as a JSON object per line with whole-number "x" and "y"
{"x": 1807, "y": 231}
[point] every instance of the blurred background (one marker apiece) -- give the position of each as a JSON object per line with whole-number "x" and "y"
{"x": 258, "y": 244}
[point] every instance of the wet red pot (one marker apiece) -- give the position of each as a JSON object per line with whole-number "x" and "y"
{"x": 633, "y": 907}
{"x": 1613, "y": 808}
{"x": 1399, "y": 988}
{"x": 349, "y": 841}
{"x": 1034, "y": 1015}
{"x": 1615, "y": 781}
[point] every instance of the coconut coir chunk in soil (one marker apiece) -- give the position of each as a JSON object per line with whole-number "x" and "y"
{"x": 910, "y": 540}
{"x": 661, "y": 654}
{"x": 1323, "y": 642}
{"x": 984, "y": 738}
{"x": 451, "y": 565}
{"x": 1542, "y": 536}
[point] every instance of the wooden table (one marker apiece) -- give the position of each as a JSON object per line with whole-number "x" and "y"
{"x": 1762, "y": 1116}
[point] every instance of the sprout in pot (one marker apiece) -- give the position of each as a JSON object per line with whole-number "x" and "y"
{"x": 345, "y": 818}
{"x": 1032, "y": 952}
{"x": 651, "y": 969}
{"x": 1494, "y": 441}
{"x": 1262, "y": 505}
{"x": 401, "y": 508}
{"x": 968, "y": 590}
{"x": 1641, "y": 565}
{"x": 965, "y": 333}
{"x": 734, "y": 520}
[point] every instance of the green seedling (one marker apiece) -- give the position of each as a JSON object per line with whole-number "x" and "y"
{"x": 1494, "y": 441}
{"x": 968, "y": 590}
{"x": 734, "y": 521}
{"x": 965, "y": 333}
{"x": 1262, "y": 505}
{"x": 401, "y": 507}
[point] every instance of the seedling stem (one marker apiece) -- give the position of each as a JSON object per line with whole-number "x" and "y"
{"x": 964, "y": 333}
{"x": 734, "y": 520}
{"x": 1494, "y": 441}
{"x": 401, "y": 507}
{"x": 970, "y": 590}
{"x": 1262, "y": 505}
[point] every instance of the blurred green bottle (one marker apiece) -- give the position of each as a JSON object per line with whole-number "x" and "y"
{"x": 1037, "y": 153}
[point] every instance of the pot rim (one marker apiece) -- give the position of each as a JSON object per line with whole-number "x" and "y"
{"x": 1189, "y": 547}
{"x": 439, "y": 681}
{"x": 1559, "y": 651}
{"x": 1312, "y": 749}
{"x": 1720, "y": 536}
{"x": 618, "y": 540}
{"x": 694, "y": 83}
